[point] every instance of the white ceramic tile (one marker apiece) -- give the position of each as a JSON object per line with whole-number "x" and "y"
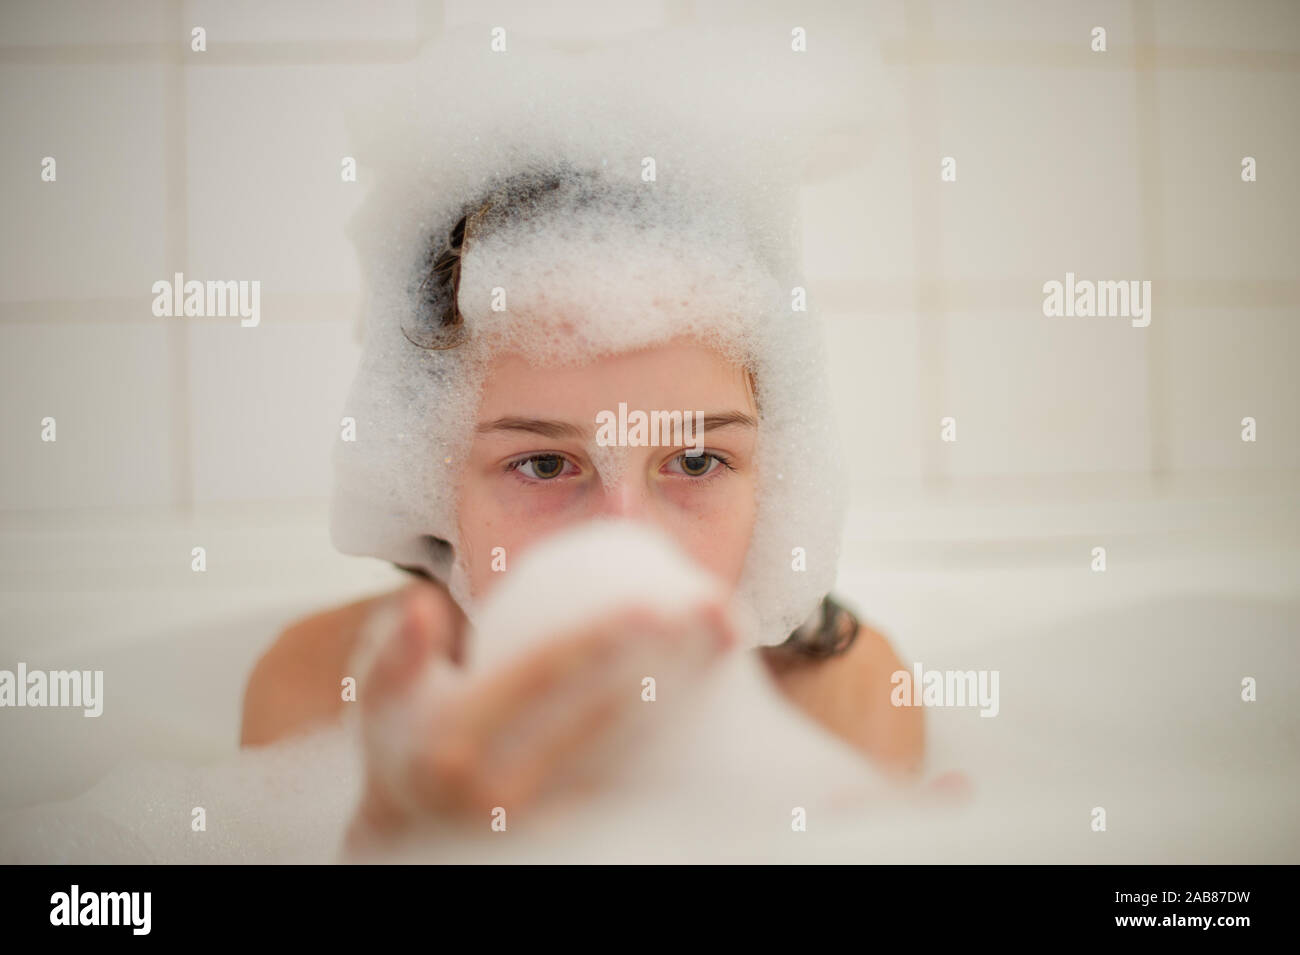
{"x": 886, "y": 20}
{"x": 1047, "y": 173}
{"x": 1045, "y": 21}
{"x": 1216, "y": 225}
{"x": 1222, "y": 366}
{"x": 579, "y": 18}
{"x": 266, "y": 196}
{"x": 1255, "y": 25}
{"x": 99, "y": 229}
{"x": 68, "y": 22}
{"x": 860, "y": 225}
{"x": 306, "y": 21}
{"x": 1035, "y": 395}
{"x": 107, "y": 386}
{"x": 265, "y": 405}
{"x": 874, "y": 380}
{"x": 883, "y": 18}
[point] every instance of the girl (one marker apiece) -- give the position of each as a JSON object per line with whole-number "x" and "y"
{"x": 525, "y": 467}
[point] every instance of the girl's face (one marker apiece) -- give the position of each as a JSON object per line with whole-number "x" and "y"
{"x": 535, "y": 465}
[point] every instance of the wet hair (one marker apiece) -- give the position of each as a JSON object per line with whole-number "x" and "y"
{"x": 830, "y": 632}
{"x": 440, "y": 322}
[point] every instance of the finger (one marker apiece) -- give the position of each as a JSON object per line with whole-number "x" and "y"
{"x": 529, "y": 773}
{"x": 419, "y": 629}
{"x": 504, "y": 753}
{"x": 376, "y": 816}
{"x": 593, "y": 706}
{"x": 482, "y": 726}
{"x": 724, "y": 627}
{"x": 432, "y": 619}
{"x": 712, "y": 621}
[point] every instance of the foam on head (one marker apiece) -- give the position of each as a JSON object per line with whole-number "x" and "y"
{"x": 573, "y": 250}
{"x": 603, "y": 261}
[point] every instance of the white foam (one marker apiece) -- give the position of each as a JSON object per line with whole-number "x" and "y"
{"x": 601, "y": 261}
{"x": 1211, "y": 779}
{"x": 286, "y": 803}
{"x": 578, "y": 575}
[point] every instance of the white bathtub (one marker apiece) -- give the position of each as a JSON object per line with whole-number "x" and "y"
{"x": 1118, "y": 690}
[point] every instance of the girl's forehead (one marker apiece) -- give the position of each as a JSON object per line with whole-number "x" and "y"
{"x": 582, "y": 358}
{"x": 679, "y": 375}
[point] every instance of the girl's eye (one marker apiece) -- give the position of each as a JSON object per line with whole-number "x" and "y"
{"x": 540, "y": 467}
{"x": 699, "y": 465}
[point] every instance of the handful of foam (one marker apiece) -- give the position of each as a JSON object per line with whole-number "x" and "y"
{"x": 579, "y": 575}
{"x": 714, "y": 756}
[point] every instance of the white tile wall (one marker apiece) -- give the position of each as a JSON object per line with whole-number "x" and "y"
{"x": 307, "y": 21}
{"x": 1242, "y": 25}
{"x": 266, "y": 198}
{"x": 932, "y": 291}
{"x": 106, "y": 383}
{"x": 265, "y": 404}
{"x": 1031, "y": 22}
{"x": 873, "y": 362}
{"x": 579, "y": 19}
{"x": 99, "y": 229}
{"x": 1047, "y": 174}
{"x": 1036, "y": 395}
{"x": 1224, "y": 365}
{"x": 54, "y": 23}
{"x": 859, "y": 225}
{"x": 1215, "y": 225}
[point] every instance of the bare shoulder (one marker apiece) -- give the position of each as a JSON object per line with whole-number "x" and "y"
{"x": 850, "y": 693}
{"x": 894, "y": 735}
{"x": 295, "y": 683}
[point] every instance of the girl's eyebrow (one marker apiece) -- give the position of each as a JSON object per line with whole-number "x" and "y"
{"x": 728, "y": 419}
{"x": 547, "y": 429}
{"x": 563, "y": 429}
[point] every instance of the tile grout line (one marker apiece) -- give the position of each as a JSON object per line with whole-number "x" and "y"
{"x": 1152, "y": 228}
{"x": 177, "y": 244}
{"x": 931, "y": 52}
{"x": 923, "y": 131}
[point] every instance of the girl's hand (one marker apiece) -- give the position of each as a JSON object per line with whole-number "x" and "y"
{"x": 439, "y": 746}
